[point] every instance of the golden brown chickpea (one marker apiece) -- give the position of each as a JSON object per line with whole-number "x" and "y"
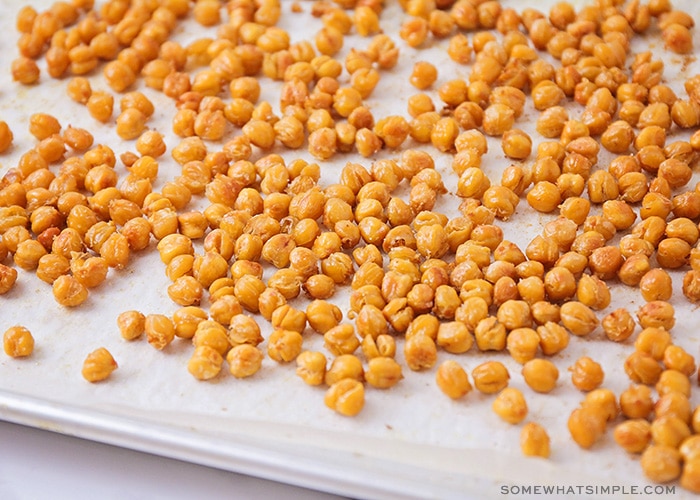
{"x": 383, "y": 372}
{"x": 578, "y": 318}
{"x": 25, "y": 71}
{"x": 586, "y": 374}
{"x": 98, "y": 365}
{"x": 586, "y": 425}
{"x": 311, "y": 367}
{"x": 424, "y": 75}
{"x": 244, "y": 360}
{"x": 243, "y": 329}
{"x": 516, "y": 144}
{"x": 420, "y": 352}
{"x": 661, "y": 463}
{"x": 534, "y": 440}
{"x": 498, "y": 118}
{"x": 346, "y": 397}
{"x": 18, "y": 342}
{"x": 618, "y": 325}
{"x": 633, "y": 435}
{"x": 490, "y": 377}
{"x": 510, "y": 405}
{"x": 452, "y": 379}
{"x": 131, "y": 324}
{"x": 636, "y": 402}
{"x": 540, "y": 375}
{"x": 68, "y": 291}
{"x": 641, "y": 367}
{"x": 656, "y": 284}
{"x": 676, "y": 358}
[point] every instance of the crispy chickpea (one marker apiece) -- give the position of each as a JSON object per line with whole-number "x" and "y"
{"x": 618, "y": 325}
{"x": 25, "y": 71}
{"x": 8, "y": 277}
{"x": 68, "y": 291}
{"x": 636, "y": 402}
{"x": 130, "y": 124}
{"x": 689, "y": 448}
{"x": 160, "y": 330}
{"x": 516, "y": 144}
{"x": 322, "y": 315}
{"x": 131, "y": 324}
{"x": 661, "y": 463}
{"x": 633, "y": 436}
{"x": 676, "y": 358}
{"x": 490, "y": 377}
{"x": 383, "y": 372}
{"x": 345, "y": 366}
{"x": 534, "y": 440}
{"x": 28, "y": 253}
{"x": 678, "y": 38}
{"x": 244, "y": 360}
{"x": 79, "y": 89}
{"x": 243, "y": 329}
{"x": 656, "y": 285}
{"x": 452, "y": 379}
{"x": 689, "y": 477}
{"x": 656, "y": 313}
{"x": 205, "y": 362}
{"x": 586, "y": 374}
{"x": 641, "y": 367}
{"x": 6, "y": 136}
{"x": 578, "y": 318}
{"x": 420, "y": 352}
{"x": 498, "y": 118}
{"x": 673, "y": 381}
{"x": 510, "y": 405}
{"x": 119, "y": 75}
{"x": 544, "y": 197}
{"x": 98, "y": 365}
{"x": 347, "y": 397}
{"x": 454, "y": 337}
{"x": 18, "y": 342}
{"x": 540, "y": 375}
{"x": 586, "y": 425}
{"x": 675, "y": 404}
{"x": 423, "y": 75}
{"x": 311, "y": 367}
{"x": 284, "y": 345}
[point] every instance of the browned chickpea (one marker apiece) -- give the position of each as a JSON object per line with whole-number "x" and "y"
{"x": 633, "y": 435}
{"x": 656, "y": 284}
{"x": 586, "y": 374}
{"x": 540, "y": 375}
{"x": 675, "y": 358}
{"x": 490, "y": 377}
{"x": 498, "y": 118}
{"x": 586, "y": 425}
{"x": 18, "y": 342}
{"x": 661, "y": 463}
{"x": 25, "y": 71}
{"x": 98, "y": 365}
{"x": 636, "y": 402}
{"x": 510, "y": 405}
{"x": 641, "y": 367}
{"x": 423, "y": 75}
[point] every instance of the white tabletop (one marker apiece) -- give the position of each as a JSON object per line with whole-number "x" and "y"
{"x": 41, "y": 464}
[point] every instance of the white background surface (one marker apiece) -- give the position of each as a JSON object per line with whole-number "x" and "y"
{"x": 40, "y": 464}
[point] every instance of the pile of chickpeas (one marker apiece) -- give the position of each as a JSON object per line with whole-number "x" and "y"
{"x": 271, "y": 243}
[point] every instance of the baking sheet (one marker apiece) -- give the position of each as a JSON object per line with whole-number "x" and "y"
{"x": 410, "y": 441}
